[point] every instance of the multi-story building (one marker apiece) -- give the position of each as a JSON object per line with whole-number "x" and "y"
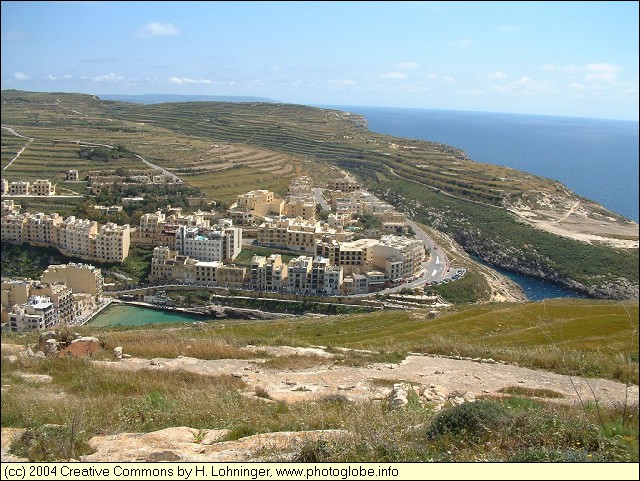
{"x": 43, "y": 187}
{"x": 298, "y": 234}
{"x": 346, "y": 184}
{"x": 71, "y": 175}
{"x": 13, "y": 227}
{"x": 299, "y": 274}
{"x": 4, "y": 186}
{"x": 42, "y": 229}
{"x": 73, "y": 237}
{"x": 221, "y": 243}
{"x": 260, "y": 203}
{"x": 397, "y": 256}
{"x": 80, "y": 278}
{"x": 112, "y": 243}
{"x": 303, "y": 207}
{"x": 36, "y": 313}
{"x": 268, "y": 273}
{"x": 9, "y": 207}
{"x": 61, "y": 297}
{"x": 19, "y": 187}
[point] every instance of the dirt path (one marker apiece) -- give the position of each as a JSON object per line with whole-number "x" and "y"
{"x": 478, "y": 377}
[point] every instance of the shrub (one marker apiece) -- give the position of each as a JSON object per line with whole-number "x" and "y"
{"x": 469, "y": 419}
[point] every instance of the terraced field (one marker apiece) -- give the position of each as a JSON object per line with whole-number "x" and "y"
{"x": 224, "y": 149}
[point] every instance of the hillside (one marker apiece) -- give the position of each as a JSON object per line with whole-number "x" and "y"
{"x": 515, "y": 220}
{"x": 516, "y": 383}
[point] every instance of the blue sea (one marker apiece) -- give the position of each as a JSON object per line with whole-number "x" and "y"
{"x": 596, "y": 158}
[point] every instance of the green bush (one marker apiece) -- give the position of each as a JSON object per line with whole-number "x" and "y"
{"x": 473, "y": 420}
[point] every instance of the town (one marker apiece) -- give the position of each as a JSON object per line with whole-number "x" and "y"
{"x": 339, "y": 241}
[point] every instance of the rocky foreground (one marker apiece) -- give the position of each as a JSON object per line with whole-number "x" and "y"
{"x": 435, "y": 381}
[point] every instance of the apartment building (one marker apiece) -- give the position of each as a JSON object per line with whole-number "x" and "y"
{"x": 42, "y": 229}
{"x": 346, "y": 184}
{"x": 75, "y": 237}
{"x": 300, "y": 206}
{"x": 13, "y": 228}
{"x": 19, "y": 187}
{"x": 71, "y": 175}
{"x": 4, "y": 186}
{"x": 36, "y": 313}
{"x": 298, "y": 234}
{"x": 112, "y": 243}
{"x": 260, "y": 203}
{"x": 43, "y": 187}
{"x": 80, "y": 278}
{"x": 220, "y": 243}
{"x": 171, "y": 266}
{"x": 61, "y": 297}
{"x": 268, "y": 273}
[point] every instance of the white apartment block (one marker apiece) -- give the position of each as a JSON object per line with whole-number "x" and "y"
{"x": 221, "y": 243}
{"x": 36, "y": 313}
{"x": 43, "y": 187}
{"x": 80, "y": 278}
{"x": 4, "y": 186}
{"x": 61, "y": 297}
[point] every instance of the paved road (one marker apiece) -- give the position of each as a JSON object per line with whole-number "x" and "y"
{"x": 164, "y": 171}
{"x": 317, "y": 193}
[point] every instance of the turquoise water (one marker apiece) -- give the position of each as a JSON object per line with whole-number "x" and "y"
{"x": 124, "y": 315}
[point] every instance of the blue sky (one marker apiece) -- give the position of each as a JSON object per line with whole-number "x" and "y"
{"x": 575, "y": 59}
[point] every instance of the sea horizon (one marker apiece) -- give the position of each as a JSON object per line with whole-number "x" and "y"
{"x": 571, "y": 150}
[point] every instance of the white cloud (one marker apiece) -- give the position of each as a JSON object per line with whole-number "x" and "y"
{"x": 394, "y": 75}
{"x": 155, "y": 29}
{"x": 576, "y": 86}
{"x": 185, "y": 80}
{"x": 53, "y": 77}
{"x": 342, "y": 82}
{"x": 406, "y": 65}
{"x": 110, "y": 77}
{"x": 508, "y": 28}
{"x": 602, "y": 72}
{"x": 498, "y": 74}
{"x": 570, "y": 68}
{"x": 448, "y": 79}
{"x": 20, "y": 76}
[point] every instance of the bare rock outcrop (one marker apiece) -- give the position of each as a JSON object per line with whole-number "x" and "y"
{"x": 193, "y": 445}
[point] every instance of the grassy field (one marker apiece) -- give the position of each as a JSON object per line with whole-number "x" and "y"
{"x": 566, "y": 337}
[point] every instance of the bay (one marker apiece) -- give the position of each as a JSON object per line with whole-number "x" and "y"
{"x": 126, "y": 315}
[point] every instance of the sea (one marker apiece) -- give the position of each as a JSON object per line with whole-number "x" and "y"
{"x": 595, "y": 158}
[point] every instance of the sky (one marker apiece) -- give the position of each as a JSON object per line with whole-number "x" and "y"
{"x": 576, "y": 59}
